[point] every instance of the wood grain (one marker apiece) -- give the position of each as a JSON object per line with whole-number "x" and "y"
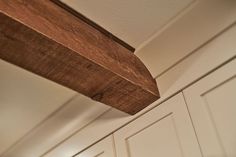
{"x": 45, "y": 39}
{"x": 93, "y": 24}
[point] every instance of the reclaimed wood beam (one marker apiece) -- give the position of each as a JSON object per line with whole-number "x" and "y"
{"x": 46, "y": 39}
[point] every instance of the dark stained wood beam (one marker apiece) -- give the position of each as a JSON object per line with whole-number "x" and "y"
{"x": 44, "y": 38}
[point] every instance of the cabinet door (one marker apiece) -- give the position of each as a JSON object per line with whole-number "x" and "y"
{"x": 212, "y": 105}
{"x": 165, "y": 131}
{"x": 104, "y": 148}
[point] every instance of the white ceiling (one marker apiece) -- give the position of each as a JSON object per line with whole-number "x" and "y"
{"x": 134, "y": 21}
{"x": 25, "y": 101}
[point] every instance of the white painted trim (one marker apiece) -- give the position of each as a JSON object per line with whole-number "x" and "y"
{"x": 200, "y": 24}
{"x": 167, "y": 25}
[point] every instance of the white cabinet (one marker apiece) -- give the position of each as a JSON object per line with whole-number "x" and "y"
{"x": 204, "y": 127}
{"x": 200, "y": 123}
{"x": 104, "y": 148}
{"x": 212, "y": 106}
{"x": 165, "y": 131}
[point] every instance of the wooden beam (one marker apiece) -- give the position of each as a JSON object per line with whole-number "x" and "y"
{"x": 47, "y": 40}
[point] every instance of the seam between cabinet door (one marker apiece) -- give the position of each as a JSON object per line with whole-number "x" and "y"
{"x": 194, "y": 129}
{"x": 114, "y": 145}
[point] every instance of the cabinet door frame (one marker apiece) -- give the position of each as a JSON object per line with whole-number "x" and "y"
{"x": 174, "y": 107}
{"x": 201, "y": 114}
{"x": 105, "y": 147}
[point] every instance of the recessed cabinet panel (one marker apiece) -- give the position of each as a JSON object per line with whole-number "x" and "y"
{"x": 104, "y": 148}
{"x": 212, "y": 104}
{"x": 164, "y": 131}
